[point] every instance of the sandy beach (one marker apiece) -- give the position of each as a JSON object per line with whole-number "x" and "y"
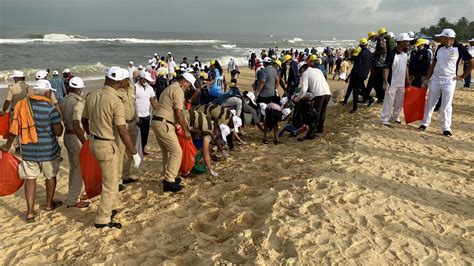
{"x": 361, "y": 193}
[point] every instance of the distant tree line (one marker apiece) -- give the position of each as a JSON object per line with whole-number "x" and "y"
{"x": 463, "y": 27}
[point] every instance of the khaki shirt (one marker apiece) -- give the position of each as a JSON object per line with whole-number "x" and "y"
{"x": 17, "y": 92}
{"x": 72, "y": 108}
{"x": 129, "y": 103}
{"x": 172, "y": 98}
{"x": 104, "y": 109}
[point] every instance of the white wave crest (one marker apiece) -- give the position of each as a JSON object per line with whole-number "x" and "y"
{"x": 229, "y": 46}
{"x": 239, "y": 61}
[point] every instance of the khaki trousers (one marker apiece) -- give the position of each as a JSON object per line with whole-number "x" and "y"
{"x": 172, "y": 154}
{"x": 76, "y": 184}
{"x": 127, "y": 159}
{"x": 108, "y": 154}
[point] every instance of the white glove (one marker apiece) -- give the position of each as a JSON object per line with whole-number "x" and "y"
{"x": 213, "y": 173}
{"x": 137, "y": 160}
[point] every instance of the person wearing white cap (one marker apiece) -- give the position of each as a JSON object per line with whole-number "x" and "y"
{"x": 168, "y": 114}
{"x": 443, "y": 76}
{"x": 103, "y": 119}
{"x": 145, "y": 97}
{"x": 131, "y": 70}
{"x": 74, "y": 138}
{"x": 39, "y": 146}
{"x": 395, "y": 79}
{"x": 467, "y": 79}
{"x": 268, "y": 82}
{"x": 67, "y": 75}
{"x": 42, "y": 75}
{"x": 171, "y": 66}
{"x": 58, "y": 84}
{"x": 249, "y": 106}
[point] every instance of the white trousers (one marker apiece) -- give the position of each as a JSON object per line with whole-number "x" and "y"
{"x": 392, "y": 104}
{"x": 446, "y": 90}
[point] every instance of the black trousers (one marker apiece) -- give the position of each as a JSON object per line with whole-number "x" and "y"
{"x": 144, "y": 124}
{"x": 378, "y": 85}
{"x": 356, "y": 85}
{"x": 318, "y": 115}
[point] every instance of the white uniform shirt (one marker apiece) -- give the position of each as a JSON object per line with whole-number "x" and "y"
{"x": 447, "y": 60}
{"x": 171, "y": 66}
{"x": 313, "y": 83}
{"x": 143, "y": 96}
{"x": 399, "y": 70}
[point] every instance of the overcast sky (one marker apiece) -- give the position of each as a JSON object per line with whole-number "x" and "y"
{"x": 305, "y": 18}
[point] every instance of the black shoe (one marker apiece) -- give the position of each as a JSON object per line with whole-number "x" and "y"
{"x": 422, "y": 128}
{"x": 171, "y": 186}
{"x": 352, "y": 111}
{"x": 398, "y": 122}
{"x": 129, "y": 181}
{"x": 114, "y": 213}
{"x": 387, "y": 125}
{"x": 121, "y": 187}
{"x": 177, "y": 180}
{"x": 447, "y": 133}
{"x": 370, "y": 102}
{"x": 109, "y": 225}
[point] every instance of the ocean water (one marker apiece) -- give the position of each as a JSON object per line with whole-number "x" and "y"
{"x": 89, "y": 53}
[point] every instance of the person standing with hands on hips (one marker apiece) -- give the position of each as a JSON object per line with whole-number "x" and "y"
{"x": 103, "y": 119}
{"x": 443, "y": 77}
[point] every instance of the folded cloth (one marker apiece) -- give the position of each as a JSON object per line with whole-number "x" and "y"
{"x": 23, "y": 123}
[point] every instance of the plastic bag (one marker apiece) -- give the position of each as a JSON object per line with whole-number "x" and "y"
{"x": 91, "y": 173}
{"x": 138, "y": 144}
{"x": 4, "y": 125}
{"x": 10, "y": 181}
{"x": 414, "y": 104}
{"x": 200, "y": 166}
{"x": 189, "y": 152}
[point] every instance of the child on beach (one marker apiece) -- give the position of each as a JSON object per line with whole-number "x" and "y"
{"x": 289, "y": 127}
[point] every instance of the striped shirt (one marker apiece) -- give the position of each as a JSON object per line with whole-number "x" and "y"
{"x": 218, "y": 114}
{"x": 200, "y": 121}
{"x": 58, "y": 85}
{"x": 47, "y": 148}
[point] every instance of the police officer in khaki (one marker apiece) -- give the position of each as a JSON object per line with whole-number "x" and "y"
{"x": 104, "y": 120}
{"x": 165, "y": 117}
{"x": 15, "y": 93}
{"x": 128, "y": 99}
{"x": 73, "y": 106}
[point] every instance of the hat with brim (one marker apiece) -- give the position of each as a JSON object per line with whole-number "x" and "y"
{"x": 190, "y": 78}
{"x": 43, "y": 85}
{"x": 285, "y": 112}
{"x": 471, "y": 40}
{"x": 237, "y": 123}
{"x": 225, "y": 131}
{"x": 251, "y": 96}
{"x": 449, "y": 33}
{"x": 18, "y": 74}
{"x": 404, "y": 37}
{"x": 147, "y": 76}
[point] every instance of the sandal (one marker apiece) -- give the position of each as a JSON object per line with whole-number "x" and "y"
{"x": 265, "y": 141}
{"x": 56, "y": 204}
{"x": 81, "y": 204}
{"x": 31, "y": 219}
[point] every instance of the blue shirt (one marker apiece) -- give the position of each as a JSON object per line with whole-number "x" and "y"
{"x": 58, "y": 85}
{"x": 45, "y": 116}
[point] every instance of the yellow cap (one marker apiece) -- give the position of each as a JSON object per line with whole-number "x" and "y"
{"x": 286, "y": 58}
{"x": 278, "y": 62}
{"x": 370, "y": 34}
{"x": 382, "y": 31}
{"x": 313, "y": 57}
{"x": 174, "y": 74}
{"x": 420, "y": 41}
{"x": 233, "y": 84}
{"x": 177, "y": 68}
{"x": 212, "y": 62}
{"x": 363, "y": 41}
{"x": 357, "y": 51}
{"x": 162, "y": 73}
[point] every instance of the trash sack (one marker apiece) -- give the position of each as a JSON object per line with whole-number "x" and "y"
{"x": 90, "y": 170}
{"x": 414, "y": 104}
{"x": 200, "y": 166}
{"x": 4, "y": 125}
{"x": 138, "y": 144}
{"x": 189, "y": 152}
{"x": 10, "y": 181}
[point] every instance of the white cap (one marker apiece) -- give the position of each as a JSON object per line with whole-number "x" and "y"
{"x": 43, "y": 85}
{"x": 155, "y": 54}
{"x": 18, "y": 74}
{"x": 130, "y": 63}
{"x": 300, "y": 64}
{"x": 285, "y": 112}
{"x": 41, "y": 74}
{"x": 391, "y": 34}
{"x": 153, "y": 64}
{"x": 283, "y": 101}
{"x": 77, "y": 83}
{"x": 169, "y": 52}
{"x": 471, "y": 40}
{"x": 252, "y": 97}
{"x": 67, "y": 70}
{"x": 237, "y": 123}
{"x": 55, "y": 73}
{"x": 411, "y": 34}
{"x": 147, "y": 76}
{"x": 267, "y": 60}
{"x": 190, "y": 78}
{"x": 183, "y": 65}
{"x": 447, "y": 33}
{"x": 263, "y": 106}
{"x": 404, "y": 37}
{"x": 225, "y": 131}
{"x": 117, "y": 73}
{"x": 140, "y": 67}
{"x": 189, "y": 70}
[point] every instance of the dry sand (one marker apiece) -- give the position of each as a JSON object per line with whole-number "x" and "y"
{"x": 359, "y": 194}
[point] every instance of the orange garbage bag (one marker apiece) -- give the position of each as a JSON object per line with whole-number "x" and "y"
{"x": 189, "y": 152}
{"x": 10, "y": 182}
{"x": 90, "y": 170}
{"x": 414, "y": 104}
{"x": 4, "y": 125}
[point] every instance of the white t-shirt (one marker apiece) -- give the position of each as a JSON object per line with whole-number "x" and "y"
{"x": 312, "y": 81}
{"x": 447, "y": 60}
{"x": 171, "y": 66}
{"x": 471, "y": 51}
{"x": 143, "y": 96}
{"x": 399, "y": 70}
{"x": 371, "y": 46}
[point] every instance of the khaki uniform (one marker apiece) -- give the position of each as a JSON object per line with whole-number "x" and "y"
{"x": 172, "y": 98}
{"x": 72, "y": 107}
{"x": 129, "y": 103}
{"x": 104, "y": 109}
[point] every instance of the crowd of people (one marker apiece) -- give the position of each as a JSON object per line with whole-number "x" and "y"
{"x": 290, "y": 87}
